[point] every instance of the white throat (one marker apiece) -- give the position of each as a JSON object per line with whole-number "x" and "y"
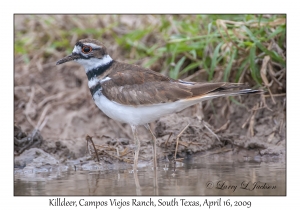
{"x": 93, "y": 63}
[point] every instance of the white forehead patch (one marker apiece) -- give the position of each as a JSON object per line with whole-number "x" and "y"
{"x": 94, "y": 46}
{"x": 77, "y": 49}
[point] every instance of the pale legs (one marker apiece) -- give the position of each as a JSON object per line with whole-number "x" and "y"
{"x": 153, "y": 147}
{"x": 136, "y": 157}
{"x": 137, "y": 147}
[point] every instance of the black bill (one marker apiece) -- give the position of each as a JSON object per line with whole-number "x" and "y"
{"x": 68, "y": 58}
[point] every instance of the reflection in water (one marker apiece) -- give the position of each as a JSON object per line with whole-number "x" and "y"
{"x": 215, "y": 178}
{"x": 137, "y": 183}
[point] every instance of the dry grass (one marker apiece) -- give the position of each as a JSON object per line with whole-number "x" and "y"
{"x": 56, "y": 100}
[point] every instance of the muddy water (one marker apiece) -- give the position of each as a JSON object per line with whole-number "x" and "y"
{"x": 190, "y": 178}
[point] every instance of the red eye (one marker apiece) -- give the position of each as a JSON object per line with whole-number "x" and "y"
{"x": 86, "y": 49}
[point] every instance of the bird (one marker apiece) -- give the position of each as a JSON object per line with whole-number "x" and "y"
{"x": 138, "y": 96}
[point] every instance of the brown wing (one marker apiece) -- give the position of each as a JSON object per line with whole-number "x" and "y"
{"x": 137, "y": 86}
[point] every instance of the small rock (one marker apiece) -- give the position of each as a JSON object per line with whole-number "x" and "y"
{"x": 34, "y": 157}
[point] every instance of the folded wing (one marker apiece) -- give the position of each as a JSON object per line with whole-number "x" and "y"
{"x": 144, "y": 87}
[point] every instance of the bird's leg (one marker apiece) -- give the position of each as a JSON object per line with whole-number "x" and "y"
{"x": 153, "y": 146}
{"x": 137, "y": 146}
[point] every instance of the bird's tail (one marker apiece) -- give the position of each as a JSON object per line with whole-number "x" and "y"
{"x": 227, "y": 92}
{"x": 223, "y": 93}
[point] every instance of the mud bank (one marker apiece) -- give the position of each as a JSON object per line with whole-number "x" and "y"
{"x": 245, "y": 134}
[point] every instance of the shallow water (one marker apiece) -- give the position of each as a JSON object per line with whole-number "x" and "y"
{"x": 209, "y": 178}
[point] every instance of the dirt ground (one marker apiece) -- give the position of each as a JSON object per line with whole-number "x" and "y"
{"x": 54, "y": 111}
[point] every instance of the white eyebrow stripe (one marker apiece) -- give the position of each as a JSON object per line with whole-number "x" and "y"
{"x": 94, "y": 46}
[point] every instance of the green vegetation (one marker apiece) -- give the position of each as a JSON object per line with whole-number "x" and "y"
{"x": 226, "y": 47}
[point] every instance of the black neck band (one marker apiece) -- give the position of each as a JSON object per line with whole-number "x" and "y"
{"x": 99, "y": 70}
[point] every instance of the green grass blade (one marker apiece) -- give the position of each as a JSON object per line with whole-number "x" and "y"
{"x": 214, "y": 61}
{"x": 192, "y": 38}
{"x": 229, "y": 66}
{"x": 253, "y": 67}
{"x": 272, "y": 54}
{"x": 151, "y": 61}
{"x": 189, "y": 67}
{"x": 175, "y": 72}
{"x": 241, "y": 69}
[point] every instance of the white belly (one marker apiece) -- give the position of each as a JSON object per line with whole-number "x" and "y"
{"x": 138, "y": 115}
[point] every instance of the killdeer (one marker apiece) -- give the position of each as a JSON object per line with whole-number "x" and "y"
{"x": 136, "y": 95}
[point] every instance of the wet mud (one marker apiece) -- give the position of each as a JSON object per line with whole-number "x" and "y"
{"x": 251, "y": 132}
